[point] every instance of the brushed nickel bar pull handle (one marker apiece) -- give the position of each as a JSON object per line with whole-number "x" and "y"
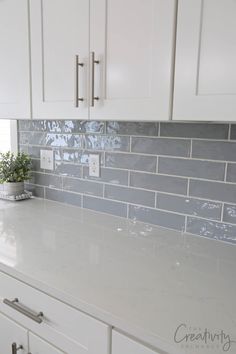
{"x": 15, "y": 349}
{"x": 92, "y": 63}
{"x": 15, "y": 305}
{"x": 77, "y": 65}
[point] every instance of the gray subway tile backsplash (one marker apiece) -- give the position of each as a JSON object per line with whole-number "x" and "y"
{"x": 231, "y": 173}
{"x": 195, "y": 130}
{"x": 108, "y": 175}
{"x": 133, "y": 128}
{"x": 229, "y": 213}
{"x": 189, "y": 206}
{"x": 213, "y": 190}
{"x": 82, "y": 186}
{"x": 160, "y": 183}
{"x": 161, "y": 146}
{"x": 192, "y": 168}
{"x": 105, "y": 206}
{"x": 130, "y": 195}
{"x": 131, "y": 161}
{"x": 212, "y": 229}
{"x": 177, "y": 175}
{"x": 63, "y": 197}
{"x": 214, "y": 150}
{"x": 157, "y": 217}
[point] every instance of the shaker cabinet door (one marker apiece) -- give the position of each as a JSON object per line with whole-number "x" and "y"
{"x": 12, "y": 335}
{"x": 133, "y": 42}
{"x": 59, "y": 43}
{"x": 205, "y": 75}
{"x": 39, "y": 346}
{"x": 14, "y": 60}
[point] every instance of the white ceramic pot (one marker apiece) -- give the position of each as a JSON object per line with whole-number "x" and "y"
{"x": 13, "y": 188}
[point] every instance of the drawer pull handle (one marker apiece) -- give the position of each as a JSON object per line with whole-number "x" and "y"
{"x": 15, "y": 348}
{"x": 16, "y": 306}
{"x": 92, "y": 63}
{"x": 78, "y": 99}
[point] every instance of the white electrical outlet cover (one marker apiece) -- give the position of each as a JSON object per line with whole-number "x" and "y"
{"x": 47, "y": 160}
{"x": 94, "y": 165}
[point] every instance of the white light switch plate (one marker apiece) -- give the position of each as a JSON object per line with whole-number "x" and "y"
{"x": 47, "y": 160}
{"x": 94, "y": 165}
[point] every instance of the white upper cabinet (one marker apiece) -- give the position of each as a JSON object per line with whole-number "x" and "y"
{"x": 205, "y": 75}
{"x": 133, "y": 41}
{"x": 59, "y": 36}
{"x": 14, "y": 60}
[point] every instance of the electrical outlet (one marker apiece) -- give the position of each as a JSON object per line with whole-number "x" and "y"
{"x": 94, "y": 165}
{"x": 47, "y": 160}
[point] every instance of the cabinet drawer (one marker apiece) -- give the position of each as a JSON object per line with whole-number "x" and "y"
{"x": 124, "y": 345}
{"x": 58, "y": 319}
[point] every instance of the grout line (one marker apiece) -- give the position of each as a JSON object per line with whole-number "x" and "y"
{"x": 126, "y": 153}
{"x": 144, "y": 189}
{"x": 185, "y": 224}
{"x": 191, "y": 149}
{"x": 229, "y": 132}
{"x": 188, "y": 187}
{"x": 157, "y": 165}
{"x": 158, "y": 137}
{"x": 222, "y": 212}
{"x": 226, "y": 171}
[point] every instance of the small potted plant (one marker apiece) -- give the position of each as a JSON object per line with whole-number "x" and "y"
{"x": 14, "y": 170}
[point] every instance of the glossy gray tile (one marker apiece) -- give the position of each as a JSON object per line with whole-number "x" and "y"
{"x": 211, "y": 229}
{"x": 108, "y": 175}
{"x": 48, "y": 180}
{"x": 171, "y": 169}
{"x": 37, "y": 191}
{"x": 64, "y": 140}
{"x": 195, "y": 130}
{"x": 107, "y": 142}
{"x": 233, "y": 132}
{"x": 161, "y": 146}
{"x": 189, "y": 206}
{"x": 229, "y": 213}
{"x": 213, "y": 190}
{"x": 63, "y": 197}
{"x": 68, "y": 169}
{"x": 82, "y": 186}
{"x": 161, "y": 183}
{"x": 105, "y": 206}
{"x": 130, "y": 195}
{"x": 231, "y": 173}
{"x": 157, "y": 217}
{"x": 131, "y": 161}
{"x": 133, "y": 128}
{"x": 214, "y": 150}
{"x": 192, "y": 168}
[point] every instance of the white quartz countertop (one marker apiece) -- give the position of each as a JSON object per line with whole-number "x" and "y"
{"x": 143, "y": 280}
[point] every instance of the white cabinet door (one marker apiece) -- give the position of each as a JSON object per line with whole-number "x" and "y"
{"x": 133, "y": 42}
{"x": 14, "y": 60}
{"x": 12, "y": 334}
{"x": 124, "y": 345}
{"x": 39, "y": 346}
{"x": 59, "y": 32}
{"x": 205, "y": 75}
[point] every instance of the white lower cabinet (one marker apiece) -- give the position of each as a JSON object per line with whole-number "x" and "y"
{"x": 61, "y": 328}
{"x": 12, "y": 335}
{"x": 39, "y": 346}
{"x": 124, "y": 345}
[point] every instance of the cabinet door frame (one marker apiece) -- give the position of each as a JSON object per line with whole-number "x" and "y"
{"x": 189, "y": 104}
{"x": 160, "y": 88}
{"x": 43, "y": 108}
{"x": 21, "y": 108}
{"x": 19, "y": 339}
